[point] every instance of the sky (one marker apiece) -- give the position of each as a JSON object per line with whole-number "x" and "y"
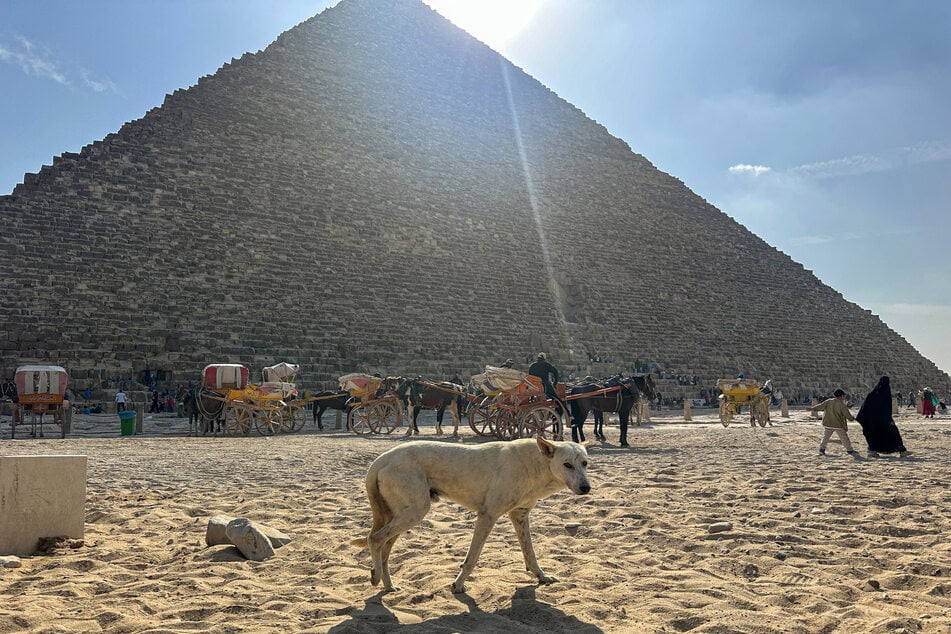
{"x": 823, "y": 126}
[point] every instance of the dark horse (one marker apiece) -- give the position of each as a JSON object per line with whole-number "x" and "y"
{"x": 203, "y": 410}
{"x": 340, "y": 400}
{"x": 621, "y": 400}
{"x": 417, "y": 394}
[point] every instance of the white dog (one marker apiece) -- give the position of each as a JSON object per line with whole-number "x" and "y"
{"x": 490, "y": 479}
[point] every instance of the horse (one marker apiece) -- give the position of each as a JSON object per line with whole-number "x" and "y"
{"x": 340, "y": 400}
{"x": 203, "y": 409}
{"x": 621, "y": 400}
{"x": 417, "y": 394}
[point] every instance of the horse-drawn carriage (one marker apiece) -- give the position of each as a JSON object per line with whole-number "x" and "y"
{"x": 739, "y": 392}
{"x": 270, "y": 406}
{"x": 511, "y": 404}
{"x": 40, "y": 390}
{"x": 374, "y": 407}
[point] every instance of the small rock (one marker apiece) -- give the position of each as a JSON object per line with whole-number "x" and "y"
{"x": 572, "y": 528}
{"x": 780, "y": 555}
{"x": 720, "y": 527}
{"x": 216, "y": 533}
{"x": 817, "y": 510}
{"x": 249, "y": 539}
{"x": 797, "y": 514}
{"x": 874, "y": 583}
{"x": 10, "y": 561}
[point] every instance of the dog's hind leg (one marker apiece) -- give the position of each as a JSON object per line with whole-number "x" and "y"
{"x": 408, "y": 501}
{"x": 483, "y": 526}
{"x": 523, "y": 531}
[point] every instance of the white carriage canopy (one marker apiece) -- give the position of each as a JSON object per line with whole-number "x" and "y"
{"x": 498, "y": 379}
{"x": 41, "y": 379}
{"x": 281, "y": 372}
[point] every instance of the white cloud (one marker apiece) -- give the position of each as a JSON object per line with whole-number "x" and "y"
{"x": 31, "y": 61}
{"x": 99, "y": 85}
{"x": 888, "y": 159}
{"x": 743, "y": 168}
{"x": 35, "y": 61}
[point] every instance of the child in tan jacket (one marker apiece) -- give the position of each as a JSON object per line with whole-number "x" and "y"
{"x": 834, "y": 421}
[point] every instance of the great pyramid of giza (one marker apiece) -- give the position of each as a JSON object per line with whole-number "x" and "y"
{"x": 379, "y": 191}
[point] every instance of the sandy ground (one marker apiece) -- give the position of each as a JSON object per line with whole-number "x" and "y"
{"x": 818, "y": 544}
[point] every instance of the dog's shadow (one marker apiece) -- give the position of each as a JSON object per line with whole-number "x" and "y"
{"x": 526, "y": 614}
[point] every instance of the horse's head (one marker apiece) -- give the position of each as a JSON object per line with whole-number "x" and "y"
{"x": 645, "y": 383}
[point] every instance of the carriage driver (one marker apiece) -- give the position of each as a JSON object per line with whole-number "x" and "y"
{"x": 549, "y": 376}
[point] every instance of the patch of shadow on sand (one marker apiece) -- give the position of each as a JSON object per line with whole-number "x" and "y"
{"x": 526, "y": 615}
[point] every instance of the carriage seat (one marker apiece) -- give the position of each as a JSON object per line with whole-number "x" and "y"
{"x": 277, "y": 389}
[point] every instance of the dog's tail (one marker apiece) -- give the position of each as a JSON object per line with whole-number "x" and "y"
{"x": 378, "y": 506}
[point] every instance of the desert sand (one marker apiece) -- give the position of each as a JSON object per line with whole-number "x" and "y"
{"x": 817, "y": 544}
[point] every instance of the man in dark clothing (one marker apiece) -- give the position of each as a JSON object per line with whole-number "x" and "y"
{"x": 546, "y": 372}
{"x": 549, "y": 376}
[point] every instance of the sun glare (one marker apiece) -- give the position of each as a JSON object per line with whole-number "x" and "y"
{"x": 495, "y": 22}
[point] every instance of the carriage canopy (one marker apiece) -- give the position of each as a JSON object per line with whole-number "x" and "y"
{"x": 282, "y": 372}
{"x": 219, "y": 376}
{"x": 41, "y": 379}
{"x": 495, "y": 379}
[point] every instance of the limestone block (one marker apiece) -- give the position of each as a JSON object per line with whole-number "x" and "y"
{"x": 40, "y": 496}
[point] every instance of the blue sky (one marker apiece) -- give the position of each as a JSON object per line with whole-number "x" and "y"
{"x": 822, "y": 126}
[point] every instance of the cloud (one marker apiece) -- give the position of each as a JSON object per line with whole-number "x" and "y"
{"x": 38, "y": 62}
{"x": 888, "y": 159}
{"x": 31, "y": 61}
{"x": 98, "y": 85}
{"x": 743, "y": 168}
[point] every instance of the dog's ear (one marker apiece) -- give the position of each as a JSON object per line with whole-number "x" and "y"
{"x": 547, "y": 448}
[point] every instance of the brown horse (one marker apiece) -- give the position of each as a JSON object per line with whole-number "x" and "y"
{"x": 621, "y": 400}
{"x": 204, "y": 411}
{"x": 418, "y": 394}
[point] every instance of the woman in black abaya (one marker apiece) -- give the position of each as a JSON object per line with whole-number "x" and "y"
{"x": 875, "y": 417}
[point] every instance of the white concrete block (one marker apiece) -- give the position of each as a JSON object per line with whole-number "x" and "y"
{"x": 40, "y": 496}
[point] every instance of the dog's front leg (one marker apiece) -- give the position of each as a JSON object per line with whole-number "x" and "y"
{"x": 483, "y": 526}
{"x": 523, "y": 531}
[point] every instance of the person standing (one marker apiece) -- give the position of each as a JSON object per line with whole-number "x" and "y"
{"x": 835, "y": 419}
{"x": 878, "y": 426}
{"x": 928, "y": 401}
{"x": 120, "y": 401}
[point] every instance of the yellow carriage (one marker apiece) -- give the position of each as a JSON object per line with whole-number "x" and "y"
{"x": 739, "y": 392}
{"x": 376, "y": 409}
{"x": 268, "y": 406}
{"x": 511, "y": 404}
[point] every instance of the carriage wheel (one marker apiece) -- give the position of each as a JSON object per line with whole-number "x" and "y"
{"x": 237, "y": 421}
{"x": 726, "y": 413}
{"x": 292, "y": 418}
{"x": 761, "y": 411}
{"x": 268, "y": 421}
{"x": 386, "y": 417}
{"x": 541, "y": 421}
{"x": 506, "y": 425}
{"x": 359, "y": 420}
{"x": 482, "y": 418}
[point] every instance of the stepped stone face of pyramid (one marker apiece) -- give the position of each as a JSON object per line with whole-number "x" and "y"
{"x": 378, "y": 191}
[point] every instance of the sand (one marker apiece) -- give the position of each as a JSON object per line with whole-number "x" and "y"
{"x": 818, "y": 544}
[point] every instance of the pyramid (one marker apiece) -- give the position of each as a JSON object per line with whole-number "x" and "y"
{"x": 378, "y": 191}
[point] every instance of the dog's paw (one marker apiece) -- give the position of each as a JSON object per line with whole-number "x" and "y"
{"x": 459, "y": 588}
{"x": 546, "y": 579}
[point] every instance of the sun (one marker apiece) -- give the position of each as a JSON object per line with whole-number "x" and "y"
{"x": 495, "y": 22}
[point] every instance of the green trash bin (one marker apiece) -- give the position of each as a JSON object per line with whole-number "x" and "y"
{"x": 127, "y": 422}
